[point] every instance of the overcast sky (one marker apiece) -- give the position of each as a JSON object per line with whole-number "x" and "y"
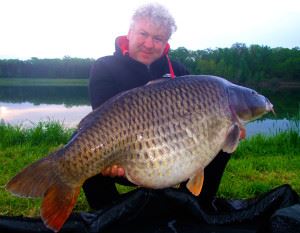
{"x": 87, "y": 28}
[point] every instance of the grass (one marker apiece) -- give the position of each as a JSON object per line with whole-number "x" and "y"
{"x": 260, "y": 163}
{"x": 42, "y": 82}
{"x": 21, "y": 146}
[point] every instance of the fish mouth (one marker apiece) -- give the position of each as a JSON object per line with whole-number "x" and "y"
{"x": 269, "y": 107}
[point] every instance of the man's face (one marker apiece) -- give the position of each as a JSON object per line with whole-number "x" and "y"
{"x": 147, "y": 41}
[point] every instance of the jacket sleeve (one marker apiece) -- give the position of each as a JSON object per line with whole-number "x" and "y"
{"x": 102, "y": 85}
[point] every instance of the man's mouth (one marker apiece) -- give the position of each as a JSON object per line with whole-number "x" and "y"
{"x": 146, "y": 52}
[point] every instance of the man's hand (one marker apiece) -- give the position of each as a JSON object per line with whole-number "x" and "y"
{"x": 113, "y": 171}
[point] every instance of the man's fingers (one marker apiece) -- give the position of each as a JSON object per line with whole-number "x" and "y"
{"x": 121, "y": 171}
{"x": 113, "y": 171}
{"x": 106, "y": 171}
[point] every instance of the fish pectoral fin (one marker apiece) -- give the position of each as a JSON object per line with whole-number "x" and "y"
{"x": 195, "y": 183}
{"x": 232, "y": 139}
{"x": 57, "y": 205}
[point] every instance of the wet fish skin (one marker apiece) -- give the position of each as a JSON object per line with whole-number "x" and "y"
{"x": 162, "y": 134}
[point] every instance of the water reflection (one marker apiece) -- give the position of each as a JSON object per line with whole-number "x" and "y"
{"x": 69, "y": 96}
{"x": 269, "y": 126}
{"x": 28, "y": 114}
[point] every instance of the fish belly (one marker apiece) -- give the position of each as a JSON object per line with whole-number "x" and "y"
{"x": 160, "y": 173}
{"x": 172, "y": 161}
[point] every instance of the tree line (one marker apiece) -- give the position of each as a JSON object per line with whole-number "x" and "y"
{"x": 238, "y": 63}
{"x": 46, "y": 68}
{"x": 242, "y": 64}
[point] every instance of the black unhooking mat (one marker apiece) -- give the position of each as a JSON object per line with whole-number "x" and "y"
{"x": 173, "y": 211}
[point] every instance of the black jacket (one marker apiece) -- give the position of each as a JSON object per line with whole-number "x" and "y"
{"x": 111, "y": 75}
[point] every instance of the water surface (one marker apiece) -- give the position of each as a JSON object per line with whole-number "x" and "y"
{"x": 27, "y": 114}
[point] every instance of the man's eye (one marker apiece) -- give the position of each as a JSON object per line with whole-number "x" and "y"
{"x": 157, "y": 39}
{"x": 144, "y": 34}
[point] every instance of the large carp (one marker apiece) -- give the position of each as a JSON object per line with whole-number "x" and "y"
{"x": 162, "y": 134}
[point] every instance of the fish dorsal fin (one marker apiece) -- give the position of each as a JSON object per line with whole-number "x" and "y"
{"x": 195, "y": 183}
{"x": 156, "y": 81}
{"x": 232, "y": 139}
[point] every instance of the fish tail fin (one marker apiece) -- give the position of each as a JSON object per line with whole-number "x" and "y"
{"x": 34, "y": 180}
{"x": 40, "y": 179}
{"x": 57, "y": 205}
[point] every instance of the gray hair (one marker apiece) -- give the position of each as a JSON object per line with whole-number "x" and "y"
{"x": 157, "y": 14}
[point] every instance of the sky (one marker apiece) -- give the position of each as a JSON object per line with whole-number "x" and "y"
{"x": 88, "y": 28}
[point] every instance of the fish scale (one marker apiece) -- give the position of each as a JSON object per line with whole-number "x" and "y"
{"x": 162, "y": 134}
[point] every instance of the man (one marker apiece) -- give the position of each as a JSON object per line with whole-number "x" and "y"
{"x": 140, "y": 57}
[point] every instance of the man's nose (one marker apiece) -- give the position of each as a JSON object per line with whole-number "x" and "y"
{"x": 149, "y": 42}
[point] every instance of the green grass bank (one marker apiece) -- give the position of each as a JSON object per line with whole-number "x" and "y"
{"x": 260, "y": 163}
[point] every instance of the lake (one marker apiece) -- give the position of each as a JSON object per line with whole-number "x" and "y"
{"x": 28, "y": 105}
